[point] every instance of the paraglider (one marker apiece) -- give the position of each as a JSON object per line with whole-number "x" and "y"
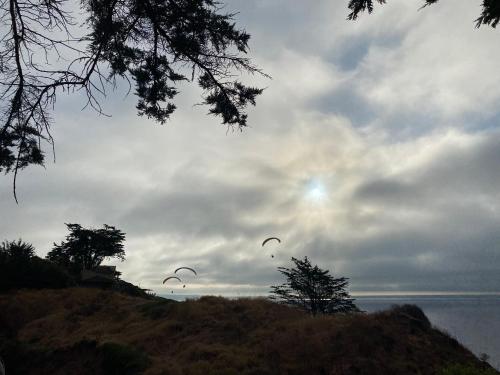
{"x": 171, "y": 277}
{"x": 175, "y": 277}
{"x": 186, "y": 268}
{"x": 269, "y": 239}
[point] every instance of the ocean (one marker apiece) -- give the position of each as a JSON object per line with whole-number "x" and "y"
{"x": 474, "y": 320}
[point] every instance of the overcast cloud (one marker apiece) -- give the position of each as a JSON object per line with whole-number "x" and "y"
{"x": 374, "y": 150}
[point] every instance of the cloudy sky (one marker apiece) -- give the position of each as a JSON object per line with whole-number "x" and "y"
{"x": 374, "y": 150}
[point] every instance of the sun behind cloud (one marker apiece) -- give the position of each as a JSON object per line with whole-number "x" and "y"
{"x": 316, "y": 191}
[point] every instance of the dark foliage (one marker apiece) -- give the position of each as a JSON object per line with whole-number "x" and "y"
{"x": 490, "y": 14}
{"x": 17, "y": 356}
{"x": 158, "y": 309}
{"x": 21, "y": 268}
{"x": 359, "y": 6}
{"x": 86, "y": 357}
{"x": 119, "y": 359}
{"x": 414, "y": 314}
{"x": 125, "y": 287}
{"x": 313, "y": 289}
{"x": 458, "y": 369}
{"x": 87, "y": 248}
{"x": 151, "y": 44}
{"x": 19, "y": 251}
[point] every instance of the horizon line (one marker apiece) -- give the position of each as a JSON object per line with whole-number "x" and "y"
{"x": 362, "y": 294}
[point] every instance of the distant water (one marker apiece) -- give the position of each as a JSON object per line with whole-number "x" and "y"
{"x": 473, "y": 320}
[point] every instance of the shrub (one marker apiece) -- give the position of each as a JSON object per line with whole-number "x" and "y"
{"x": 157, "y": 309}
{"x": 458, "y": 369}
{"x": 16, "y": 355}
{"x": 120, "y": 359}
{"x": 132, "y": 290}
{"x": 414, "y": 314}
{"x": 21, "y": 268}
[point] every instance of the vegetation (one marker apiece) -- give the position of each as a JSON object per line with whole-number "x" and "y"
{"x": 151, "y": 44}
{"x": 125, "y": 287}
{"x": 313, "y": 289}
{"x": 91, "y": 330}
{"x": 69, "y": 331}
{"x": 85, "y": 249}
{"x": 120, "y": 359}
{"x": 458, "y": 369}
{"x": 490, "y": 14}
{"x": 21, "y": 268}
{"x": 84, "y": 357}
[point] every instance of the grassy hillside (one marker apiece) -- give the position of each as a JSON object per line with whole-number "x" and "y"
{"x": 88, "y": 331}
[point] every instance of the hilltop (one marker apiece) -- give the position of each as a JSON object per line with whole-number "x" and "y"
{"x": 90, "y": 331}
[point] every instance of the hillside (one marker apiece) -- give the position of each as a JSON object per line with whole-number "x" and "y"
{"x": 89, "y": 331}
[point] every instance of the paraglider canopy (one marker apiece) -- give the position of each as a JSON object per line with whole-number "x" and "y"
{"x": 269, "y": 239}
{"x": 186, "y": 268}
{"x": 171, "y": 277}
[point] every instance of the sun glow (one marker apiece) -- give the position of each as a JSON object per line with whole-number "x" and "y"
{"x": 316, "y": 191}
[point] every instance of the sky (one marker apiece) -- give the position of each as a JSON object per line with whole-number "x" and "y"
{"x": 374, "y": 150}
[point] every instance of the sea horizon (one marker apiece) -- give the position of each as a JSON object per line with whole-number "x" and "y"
{"x": 353, "y": 294}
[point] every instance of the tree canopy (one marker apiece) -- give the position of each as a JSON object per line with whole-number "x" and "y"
{"x": 313, "y": 289}
{"x": 153, "y": 45}
{"x": 490, "y": 13}
{"x": 46, "y": 49}
{"x": 85, "y": 249}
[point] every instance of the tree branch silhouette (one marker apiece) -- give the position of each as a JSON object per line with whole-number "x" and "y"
{"x": 490, "y": 13}
{"x": 153, "y": 44}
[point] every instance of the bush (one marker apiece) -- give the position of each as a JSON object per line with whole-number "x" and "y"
{"x": 16, "y": 355}
{"x": 414, "y": 314}
{"x": 457, "y": 369}
{"x": 21, "y": 268}
{"x": 119, "y": 359}
{"x": 125, "y": 287}
{"x": 157, "y": 309}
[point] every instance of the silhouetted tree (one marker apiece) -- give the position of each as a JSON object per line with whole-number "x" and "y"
{"x": 313, "y": 289}
{"x": 19, "y": 251}
{"x": 87, "y": 248}
{"x": 152, "y": 44}
{"x": 21, "y": 268}
{"x": 490, "y": 14}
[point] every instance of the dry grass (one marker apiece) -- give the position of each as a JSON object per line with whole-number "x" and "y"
{"x": 214, "y": 335}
